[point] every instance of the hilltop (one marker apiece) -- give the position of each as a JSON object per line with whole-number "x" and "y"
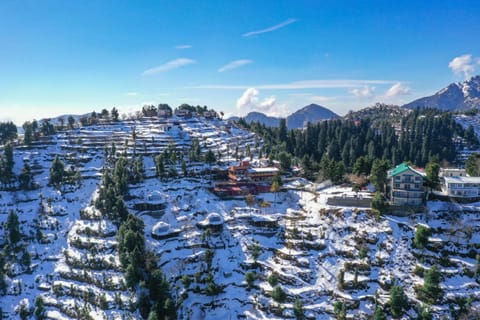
{"x": 379, "y": 112}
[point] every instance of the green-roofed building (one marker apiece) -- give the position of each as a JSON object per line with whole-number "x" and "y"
{"x": 406, "y": 186}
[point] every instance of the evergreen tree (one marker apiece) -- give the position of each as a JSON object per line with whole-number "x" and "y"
{"x": 379, "y": 314}
{"x": 57, "y": 172}
{"x": 431, "y": 286}
{"x": 71, "y": 122}
{"x": 28, "y": 133}
{"x": 13, "y": 228}
{"x": 160, "y": 166}
{"x": 420, "y": 239}
{"x": 398, "y": 301}
{"x": 8, "y": 162}
{"x": 298, "y": 309}
{"x": 378, "y": 175}
{"x": 26, "y": 178}
{"x": 39, "y": 310}
{"x": 378, "y": 202}
{"x": 8, "y": 132}
{"x": 278, "y": 294}
{"x": 184, "y": 168}
{"x": 250, "y": 278}
{"x": 159, "y": 287}
{"x": 472, "y": 165}
{"x": 285, "y": 161}
{"x": 433, "y": 171}
{"x": 210, "y": 157}
{"x": 425, "y": 314}
{"x": 114, "y": 114}
{"x": 340, "y": 310}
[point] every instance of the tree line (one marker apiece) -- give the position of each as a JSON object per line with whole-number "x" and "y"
{"x": 336, "y": 145}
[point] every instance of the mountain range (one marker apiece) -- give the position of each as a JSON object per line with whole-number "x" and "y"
{"x": 456, "y": 96}
{"x": 312, "y": 113}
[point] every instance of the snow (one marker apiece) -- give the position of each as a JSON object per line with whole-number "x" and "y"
{"x": 304, "y": 241}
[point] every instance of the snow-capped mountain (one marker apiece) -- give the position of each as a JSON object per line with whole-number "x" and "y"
{"x": 456, "y": 96}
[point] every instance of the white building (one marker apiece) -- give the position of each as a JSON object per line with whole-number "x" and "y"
{"x": 462, "y": 187}
{"x": 406, "y": 186}
{"x": 452, "y": 172}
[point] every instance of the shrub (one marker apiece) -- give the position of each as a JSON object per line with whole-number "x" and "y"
{"x": 278, "y": 294}
{"x": 272, "y": 279}
{"x": 250, "y": 278}
{"x": 420, "y": 239}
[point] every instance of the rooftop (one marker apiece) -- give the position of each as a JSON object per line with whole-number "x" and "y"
{"x": 263, "y": 170}
{"x": 402, "y": 168}
{"x": 458, "y": 179}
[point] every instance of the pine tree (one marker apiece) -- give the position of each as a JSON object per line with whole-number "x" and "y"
{"x": 398, "y": 301}
{"x": 13, "y": 227}
{"x": 250, "y": 278}
{"x": 210, "y": 157}
{"x": 298, "y": 309}
{"x": 26, "y": 178}
{"x": 57, "y": 172}
{"x": 379, "y": 314}
{"x": 39, "y": 310}
{"x": 431, "y": 286}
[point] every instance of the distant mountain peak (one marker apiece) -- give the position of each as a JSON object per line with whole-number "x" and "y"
{"x": 456, "y": 96}
{"x": 311, "y": 113}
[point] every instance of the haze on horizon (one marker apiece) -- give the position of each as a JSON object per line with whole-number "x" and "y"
{"x": 275, "y": 57}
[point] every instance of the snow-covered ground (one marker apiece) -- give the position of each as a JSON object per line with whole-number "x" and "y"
{"x": 303, "y": 241}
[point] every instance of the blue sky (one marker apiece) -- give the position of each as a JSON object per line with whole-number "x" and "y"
{"x": 64, "y": 57}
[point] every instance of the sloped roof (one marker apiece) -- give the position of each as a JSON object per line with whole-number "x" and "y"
{"x": 402, "y": 168}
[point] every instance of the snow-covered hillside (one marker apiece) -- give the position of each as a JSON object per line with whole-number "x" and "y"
{"x": 288, "y": 242}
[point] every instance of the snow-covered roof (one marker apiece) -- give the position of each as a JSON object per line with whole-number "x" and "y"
{"x": 458, "y": 179}
{"x": 263, "y": 170}
{"x": 161, "y": 228}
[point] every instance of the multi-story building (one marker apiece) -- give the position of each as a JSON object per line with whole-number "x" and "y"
{"x": 406, "y": 186}
{"x": 245, "y": 172}
{"x": 461, "y": 187}
{"x": 240, "y": 172}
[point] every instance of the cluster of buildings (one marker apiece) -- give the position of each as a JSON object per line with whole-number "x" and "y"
{"x": 406, "y": 185}
{"x": 246, "y": 179}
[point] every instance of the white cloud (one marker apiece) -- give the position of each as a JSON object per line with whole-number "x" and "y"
{"x": 365, "y": 92}
{"x": 170, "y": 65}
{"x": 248, "y": 98}
{"x": 268, "y": 103}
{"x": 183, "y": 46}
{"x": 398, "y": 89}
{"x": 234, "y": 64}
{"x": 304, "y": 84}
{"x": 270, "y": 29}
{"x": 250, "y": 101}
{"x": 464, "y": 64}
